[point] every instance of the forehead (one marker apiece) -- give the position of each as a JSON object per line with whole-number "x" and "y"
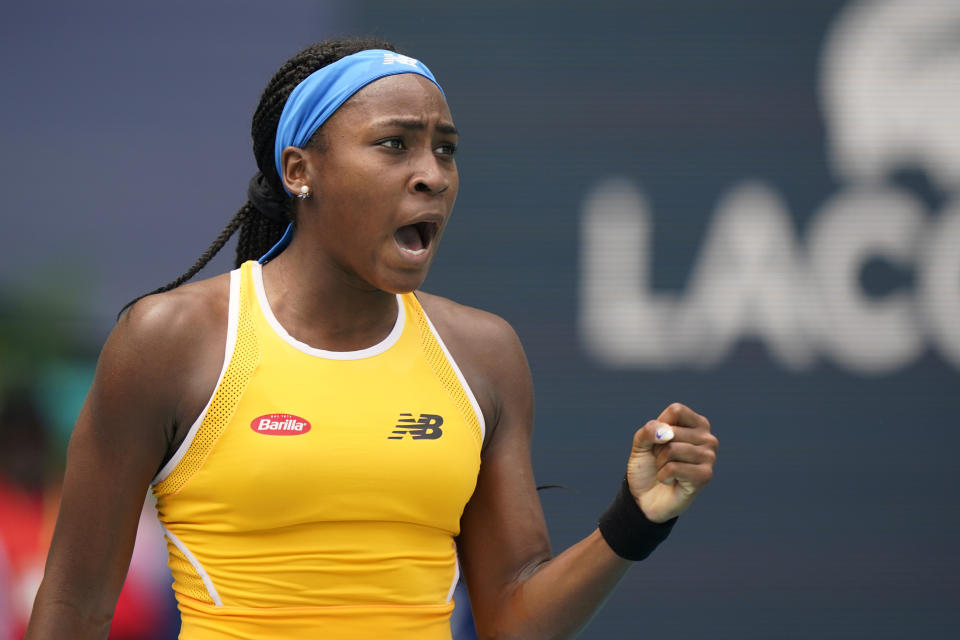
{"x": 402, "y": 94}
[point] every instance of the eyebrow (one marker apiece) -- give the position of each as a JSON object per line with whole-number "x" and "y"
{"x": 417, "y": 125}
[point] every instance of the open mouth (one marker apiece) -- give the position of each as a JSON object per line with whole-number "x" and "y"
{"x": 415, "y": 238}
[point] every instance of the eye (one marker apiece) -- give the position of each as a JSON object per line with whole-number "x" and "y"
{"x": 392, "y": 143}
{"x": 446, "y": 149}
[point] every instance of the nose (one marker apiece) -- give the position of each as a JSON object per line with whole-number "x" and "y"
{"x": 429, "y": 177}
{"x": 424, "y": 187}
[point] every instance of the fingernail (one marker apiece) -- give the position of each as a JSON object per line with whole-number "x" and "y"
{"x": 664, "y": 433}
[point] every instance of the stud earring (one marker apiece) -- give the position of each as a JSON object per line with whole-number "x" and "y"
{"x": 304, "y": 193}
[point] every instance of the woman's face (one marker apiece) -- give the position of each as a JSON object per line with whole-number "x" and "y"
{"x": 383, "y": 183}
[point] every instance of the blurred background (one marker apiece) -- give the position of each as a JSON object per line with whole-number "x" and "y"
{"x": 752, "y": 207}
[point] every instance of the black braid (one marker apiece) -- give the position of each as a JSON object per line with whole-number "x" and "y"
{"x": 258, "y": 233}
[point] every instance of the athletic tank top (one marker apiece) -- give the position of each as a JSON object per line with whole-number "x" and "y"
{"x": 319, "y": 493}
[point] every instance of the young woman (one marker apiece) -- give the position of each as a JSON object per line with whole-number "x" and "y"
{"x": 321, "y": 475}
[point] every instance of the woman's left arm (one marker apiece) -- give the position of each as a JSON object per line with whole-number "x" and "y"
{"x": 517, "y": 588}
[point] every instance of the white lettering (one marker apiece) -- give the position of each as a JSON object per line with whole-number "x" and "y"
{"x": 747, "y": 282}
{"x": 275, "y": 425}
{"x": 890, "y": 93}
{"x": 753, "y": 279}
{"x": 940, "y": 283}
{"x": 890, "y": 101}
{"x": 623, "y": 323}
{"x": 390, "y": 58}
{"x": 864, "y": 334}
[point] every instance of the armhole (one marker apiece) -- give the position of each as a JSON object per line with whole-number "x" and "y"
{"x": 232, "y": 322}
{"x": 456, "y": 369}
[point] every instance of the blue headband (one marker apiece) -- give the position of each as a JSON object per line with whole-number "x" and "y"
{"x": 325, "y": 90}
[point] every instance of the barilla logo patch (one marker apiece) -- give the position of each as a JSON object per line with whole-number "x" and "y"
{"x": 280, "y": 424}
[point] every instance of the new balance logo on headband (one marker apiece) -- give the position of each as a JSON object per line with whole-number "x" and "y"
{"x": 390, "y": 58}
{"x": 424, "y": 427}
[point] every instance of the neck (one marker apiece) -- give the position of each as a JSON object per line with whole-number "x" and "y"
{"x": 323, "y": 306}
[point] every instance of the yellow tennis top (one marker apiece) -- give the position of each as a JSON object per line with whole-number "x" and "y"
{"x": 319, "y": 493}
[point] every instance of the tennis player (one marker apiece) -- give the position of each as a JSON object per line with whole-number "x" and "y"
{"x": 324, "y": 440}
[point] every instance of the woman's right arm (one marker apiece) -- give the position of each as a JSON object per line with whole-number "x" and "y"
{"x": 123, "y": 434}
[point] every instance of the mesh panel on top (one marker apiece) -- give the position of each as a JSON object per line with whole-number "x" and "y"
{"x": 445, "y": 373}
{"x": 243, "y": 362}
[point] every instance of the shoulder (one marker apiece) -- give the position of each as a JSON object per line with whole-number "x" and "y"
{"x": 182, "y": 317}
{"x": 159, "y": 361}
{"x": 460, "y": 322}
{"x": 169, "y": 342}
{"x": 196, "y": 302}
{"x": 175, "y": 327}
{"x": 180, "y": 313}
{"x": 489, "y": 354}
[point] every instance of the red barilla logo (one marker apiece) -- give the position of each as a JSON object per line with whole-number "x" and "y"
{"x": 280, "y": 424}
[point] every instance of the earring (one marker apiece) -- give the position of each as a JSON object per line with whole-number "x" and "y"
{"x": 304, "y": 193}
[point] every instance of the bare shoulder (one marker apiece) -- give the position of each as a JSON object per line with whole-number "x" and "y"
{"x": 458, "y": 322}
{"x": 488, "y": 352}
{"x": 164, "y": 355}
{"x": 184, "y": 314}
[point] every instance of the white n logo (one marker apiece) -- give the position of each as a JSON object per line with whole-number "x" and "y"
{"x": 391, "y": 58}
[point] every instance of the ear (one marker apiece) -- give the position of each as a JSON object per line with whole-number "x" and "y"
{"x": 295, "y": 163}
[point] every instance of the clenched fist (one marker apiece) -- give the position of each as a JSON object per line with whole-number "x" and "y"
{"x": 671, "y": 460}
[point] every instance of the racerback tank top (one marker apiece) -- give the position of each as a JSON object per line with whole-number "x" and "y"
{"x": 319, "y": 493}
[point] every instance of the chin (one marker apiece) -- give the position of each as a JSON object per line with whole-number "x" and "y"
{"x": 411, "y": 282}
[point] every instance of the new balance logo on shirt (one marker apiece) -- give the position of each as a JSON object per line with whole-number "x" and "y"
{"x": 424, "y": 427}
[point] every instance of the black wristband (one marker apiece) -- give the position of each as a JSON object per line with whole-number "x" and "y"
{"x": 626, "y": 529}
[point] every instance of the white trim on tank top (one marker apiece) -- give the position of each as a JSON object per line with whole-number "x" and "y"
{"x": 233, "y": 319}
{"x": 369, "y": 352}
{"x": 192, "y": 559}
{"x": 456, "y": 579}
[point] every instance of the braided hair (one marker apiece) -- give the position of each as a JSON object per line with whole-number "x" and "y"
{"x": 268, "y": 210}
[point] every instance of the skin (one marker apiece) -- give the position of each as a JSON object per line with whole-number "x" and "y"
{"x": 386, "y": 161}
